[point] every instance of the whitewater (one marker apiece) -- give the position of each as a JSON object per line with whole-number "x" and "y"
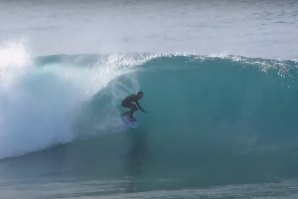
{"x": 220, "y": 88}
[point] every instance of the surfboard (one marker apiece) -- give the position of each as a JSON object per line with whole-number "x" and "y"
{"x": 128, "y": 123}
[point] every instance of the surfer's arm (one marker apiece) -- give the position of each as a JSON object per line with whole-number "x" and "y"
{"x": 139, "y": 106}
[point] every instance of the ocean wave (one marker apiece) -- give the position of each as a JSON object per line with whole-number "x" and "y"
{"x": 247, "y": 102}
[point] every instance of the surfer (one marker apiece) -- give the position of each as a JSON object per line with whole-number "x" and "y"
{"x": 132, "y": 102}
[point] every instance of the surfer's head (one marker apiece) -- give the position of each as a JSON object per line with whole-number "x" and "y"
{"x": 140, "y": 94}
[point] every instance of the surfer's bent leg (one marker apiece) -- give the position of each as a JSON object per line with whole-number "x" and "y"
{"x": 131, "y": 106}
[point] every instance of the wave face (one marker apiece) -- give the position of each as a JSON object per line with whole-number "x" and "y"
{"x": 203, "y": 111}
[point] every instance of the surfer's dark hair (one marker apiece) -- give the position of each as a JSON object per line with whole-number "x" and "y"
{"x": 140, "y": 93}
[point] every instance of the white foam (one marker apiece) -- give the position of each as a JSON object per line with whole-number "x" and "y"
{"x": 39, "y": 105}
{"x": 14, "y": 62}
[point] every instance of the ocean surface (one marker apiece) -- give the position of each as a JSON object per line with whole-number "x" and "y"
{"x": 220, "y": 90}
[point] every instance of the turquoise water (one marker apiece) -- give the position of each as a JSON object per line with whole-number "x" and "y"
{"x": 214, "y": 126}
{"x": 220, "y": 85}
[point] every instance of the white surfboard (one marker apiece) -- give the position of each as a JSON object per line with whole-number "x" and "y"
{"x": 131, "y": 124}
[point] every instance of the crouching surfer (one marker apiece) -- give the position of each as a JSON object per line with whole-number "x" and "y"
{"x": 132, "y": 102}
